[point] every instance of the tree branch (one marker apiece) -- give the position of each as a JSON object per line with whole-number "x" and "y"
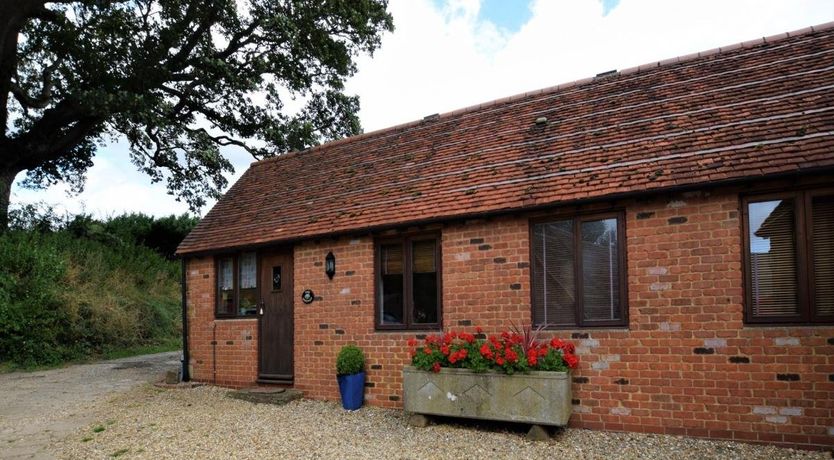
{"x": 225, "y": 141}
{"x": 59, "y": 142}
{"x": 185, "y": 50}
{"x": 235, "y": 42}
{"x": 33, "y": 145}
{"x": 42, "y": 100}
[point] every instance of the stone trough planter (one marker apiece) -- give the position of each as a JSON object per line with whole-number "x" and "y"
{"x": 538, "y": 398}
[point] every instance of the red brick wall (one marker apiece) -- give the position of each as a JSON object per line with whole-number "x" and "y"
{"x": 342, "y": 313}
{"x": 685, "y": 365}
{"x": 477, "y": 289}
{"x": 224, "y": 352}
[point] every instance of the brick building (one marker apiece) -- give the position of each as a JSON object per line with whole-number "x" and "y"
{"x": 675, "y": 220}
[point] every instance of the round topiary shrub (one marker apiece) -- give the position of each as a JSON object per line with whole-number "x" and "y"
{"x": 350, "y": 360}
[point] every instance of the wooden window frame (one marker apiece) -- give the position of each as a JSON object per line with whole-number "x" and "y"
{"x": 235, "y": 284}
{"x": 408, "y": 299}
{"x": 803, "y": 228}
{"x": 578, "y": 219}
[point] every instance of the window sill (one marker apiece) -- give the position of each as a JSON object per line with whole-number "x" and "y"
{"x": 236, "y": 318}
{"x": 585, "y": 328}
{"x": 785, "y": 325}
{"x": 425, "y": 330}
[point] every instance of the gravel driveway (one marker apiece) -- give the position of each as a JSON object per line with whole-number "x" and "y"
{"x": 38, "y": 408}
{"x": 149, "y": 422}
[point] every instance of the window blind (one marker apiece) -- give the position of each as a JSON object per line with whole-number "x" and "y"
{"x": 773, "y": 269}
{"x": 822, "y": 246}
{"x": 600, "y": 270}
{"x": 553, "y": 273}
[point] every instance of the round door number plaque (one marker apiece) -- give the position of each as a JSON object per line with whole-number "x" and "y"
{"x": 307, "y": 296}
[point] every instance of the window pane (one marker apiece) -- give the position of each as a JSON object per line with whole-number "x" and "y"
{"x": 248, "y": 301}
{"x": 600, "y": 271}
{"x": 772, "y": 258}
{"x": 822, "y": 243}
{"x": 554, "y": 291}
{"x": 225, "y": 286}
{"x": 392, "y": 259}
{"x": 422, "y": 254}
{"x": 391, "y": 291}
{"x": 248, "y": 271}
{"x": 247, "y": 277}
{"x": 424, "y": 281}
{"x": 276, "y": 278}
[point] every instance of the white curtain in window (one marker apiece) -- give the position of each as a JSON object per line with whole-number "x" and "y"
{"x": 248, "y": 270}
{"x": 226, "y": 280}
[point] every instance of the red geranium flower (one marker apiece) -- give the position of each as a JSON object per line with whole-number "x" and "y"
{"x": 486, "y": 352}
{"x": 507, "y": 351}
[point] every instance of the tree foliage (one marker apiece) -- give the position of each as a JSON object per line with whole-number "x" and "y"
{"x": 178, "y": 79}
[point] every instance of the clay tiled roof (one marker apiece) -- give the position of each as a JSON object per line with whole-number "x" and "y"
{"x": 751, "y": 110}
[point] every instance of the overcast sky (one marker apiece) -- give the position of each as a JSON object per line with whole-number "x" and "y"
{"x": 449, "y": 54}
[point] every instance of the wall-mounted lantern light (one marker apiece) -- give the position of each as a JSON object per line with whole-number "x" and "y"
{"x": 330, "y": 265}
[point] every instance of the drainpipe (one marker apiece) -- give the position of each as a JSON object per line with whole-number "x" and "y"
{"x": 214, "y": 353}
{"x": 185, "y": 358}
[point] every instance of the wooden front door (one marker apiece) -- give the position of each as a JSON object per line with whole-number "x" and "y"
{"x": 276, "y": 317}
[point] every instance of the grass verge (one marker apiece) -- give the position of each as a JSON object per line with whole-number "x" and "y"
{"x": 171, "y": 344}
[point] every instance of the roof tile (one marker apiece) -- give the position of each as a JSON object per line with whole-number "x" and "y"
{"x": 765, "y": 107}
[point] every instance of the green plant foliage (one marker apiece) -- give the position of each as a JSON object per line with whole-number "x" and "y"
{"x": 31, "y": 312}
{"x": 351, "y": 360}
{"x": 82, "y": 287}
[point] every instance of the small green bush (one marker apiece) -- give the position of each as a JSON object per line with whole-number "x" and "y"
{"x": 350, "y": 360}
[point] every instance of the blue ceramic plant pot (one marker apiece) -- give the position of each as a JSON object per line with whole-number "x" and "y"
{"x": 352, "y": 389}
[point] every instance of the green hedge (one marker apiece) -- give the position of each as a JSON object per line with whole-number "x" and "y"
{"x": 67, "y": 294}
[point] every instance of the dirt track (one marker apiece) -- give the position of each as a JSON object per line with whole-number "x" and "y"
{"x": 39, "y": 407}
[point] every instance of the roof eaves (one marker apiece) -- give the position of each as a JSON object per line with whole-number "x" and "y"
{"x": 544, "y": 206}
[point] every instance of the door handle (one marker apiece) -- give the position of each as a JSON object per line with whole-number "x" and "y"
{"x": 261, "y": 309}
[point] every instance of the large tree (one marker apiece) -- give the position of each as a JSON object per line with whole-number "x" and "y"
{"x": 178, "y": 79}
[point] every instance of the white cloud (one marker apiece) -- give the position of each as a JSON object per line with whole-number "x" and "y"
{"x": 114, "y": 186}
{"x": 441, "y": 58}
